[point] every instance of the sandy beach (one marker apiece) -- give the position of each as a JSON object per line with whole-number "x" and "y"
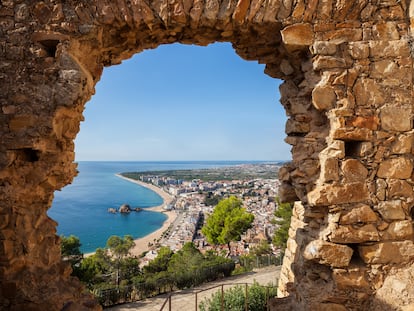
{"x": 141, "y": 244}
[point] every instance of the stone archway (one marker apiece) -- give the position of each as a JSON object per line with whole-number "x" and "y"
{"x": 347, "y": 68}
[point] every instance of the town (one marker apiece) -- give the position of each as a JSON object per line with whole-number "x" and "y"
{"x": 194, "y": 199}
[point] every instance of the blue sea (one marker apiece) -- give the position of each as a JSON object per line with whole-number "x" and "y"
{"x": 81, "y": 208}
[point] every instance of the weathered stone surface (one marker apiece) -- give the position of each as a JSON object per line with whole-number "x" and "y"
{"x": 323, "y": 97}
{"x": 399, "y": 188}
{"x": 338, "y": 194}
{"x": 396, "y": 118}
{"x": 348, "y": 87}
{"x": 399, "y": 230}
{"x": 369, "y": 122}
{"x": 399, "y": 168}
{"x": 397, "y": 289}
{"x": 368, "y": 93}
{"x": 403, "y": 144}
{"x": 298, "y": 36}
{"x": 391, "y": 210}
{"x": 351, "y": 279}
{"x": 387, "y": 252}
{"x": 353, "y": 170}
{"x": 360, "y": 214}
{"x": 327, "y": 253}
{"x": 359, "y": 234}
{"x": 351, "y": 133}
{"x": 329, "y": 169}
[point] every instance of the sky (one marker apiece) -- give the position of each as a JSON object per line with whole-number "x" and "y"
{"x": 184, "y": 103}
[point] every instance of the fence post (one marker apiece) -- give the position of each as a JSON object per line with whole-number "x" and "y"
{"x": 222, "y": 297}
{"x": 246, "y": 301}
{"x": 169, "y": 303}
{"x": 196, "y": 303}
{"x": 267, "y": 298}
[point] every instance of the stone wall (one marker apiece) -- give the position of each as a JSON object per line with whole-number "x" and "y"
{"x": 347, "y": 68}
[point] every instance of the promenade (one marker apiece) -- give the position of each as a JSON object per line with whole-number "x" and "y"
{"x": 184, "y": 300}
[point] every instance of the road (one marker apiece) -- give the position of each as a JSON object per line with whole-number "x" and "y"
{"x": 184, "y": 300}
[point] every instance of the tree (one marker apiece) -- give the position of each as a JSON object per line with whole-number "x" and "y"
{"x": 160, "y": 263}
{"x": 228, "y": 222}
{"x": 70, "y": 246}
{"x": 119, "y": 247}
{"x": 94, "y": 268}
{"x": 282, "y": 220}
{"x": 263, "y": 248}
{"x": 70, "y": 251}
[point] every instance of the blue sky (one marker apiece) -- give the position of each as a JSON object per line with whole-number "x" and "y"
{"x": 184, "y": 102}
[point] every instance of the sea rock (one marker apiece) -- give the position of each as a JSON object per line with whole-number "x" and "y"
{"x": 125, "y": 208}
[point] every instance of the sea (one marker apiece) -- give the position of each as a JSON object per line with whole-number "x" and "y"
{"x": 81, "y": 208}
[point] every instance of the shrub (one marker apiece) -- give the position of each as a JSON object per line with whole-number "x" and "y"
{"x": 235, "y": 299}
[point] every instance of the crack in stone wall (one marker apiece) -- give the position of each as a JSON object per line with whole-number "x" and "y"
{"x": 347, "y": 71}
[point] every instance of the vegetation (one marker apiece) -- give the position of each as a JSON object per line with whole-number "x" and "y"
{"x": 235, "y": 298}
{"x": 114, "y": 276}
{"x": 211, "y": 199}
{"x": 228, "y": 222}
{"x": 251, "y": 171}
{"x": 70, "y": 246}
{"x": 283, "y": 215}
{"x": 187, "y": 267}
{"x": 120, "y": 248}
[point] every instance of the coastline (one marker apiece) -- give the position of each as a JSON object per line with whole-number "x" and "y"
{"x": 141, "y": 244}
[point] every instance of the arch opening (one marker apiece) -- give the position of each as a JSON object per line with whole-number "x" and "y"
{"x": 174, "y": 103}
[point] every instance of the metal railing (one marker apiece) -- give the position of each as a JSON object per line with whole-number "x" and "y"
{"x": 130, "y": 293}
{"x": 168, "y": 301}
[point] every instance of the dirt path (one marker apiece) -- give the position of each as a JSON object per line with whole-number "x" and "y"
{"x": 185, "y": 300}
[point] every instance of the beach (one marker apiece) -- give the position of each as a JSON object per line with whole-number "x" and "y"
{"x": 141, "y": 244}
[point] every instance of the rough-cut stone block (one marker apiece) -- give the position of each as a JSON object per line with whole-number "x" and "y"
{"x": 402, "y": 144}
{"x": 399, "y": 188}
{"x": 399, "y": 230}
{"x": 399, "y": 168}
{"x": 323, "y": 48}
{"x": 297, "y": 36}
{"x": 359, "y": 50}
{"x": 287, "y": 193}
{"x": 335, "y": 150}
{"x": 354, "y": 170}
{"x": 329, "y": 169}
{"x": 352, "y": 133}
{"x": 345, "y": 279}
{"x": 394, "y": 48}
{"x": 22, "y": 122}
{"x": 360, "y": 214}
{"x": 396, "y": 118}
{"x": 368, "y": 93}
{"x": 369, "y": 122}
{"x": 386, "y": 31}
{"x": 323, "y": 97}
{"x": 241, "y": 10}
{"x": 327, "y": 253}
{"x": 349, "y": 234}
{"x": 387, "y": 252}
{"x": 322, "y": 62}
{"x": 338, "y": 194}
{"x": 296, "y": 127}
{"x": 391, "y": 210}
